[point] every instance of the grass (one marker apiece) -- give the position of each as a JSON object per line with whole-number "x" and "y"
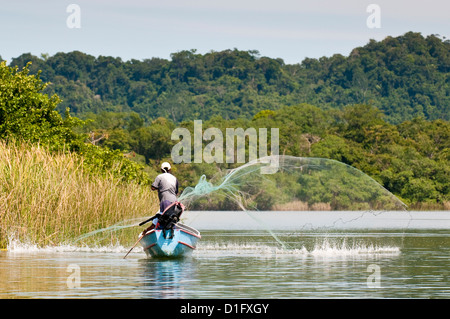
{"x": 298, "y": 205}
{"x": 49, "y": 199}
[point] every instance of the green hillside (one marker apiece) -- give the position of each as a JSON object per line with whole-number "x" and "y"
{"x": 405, "y": 77}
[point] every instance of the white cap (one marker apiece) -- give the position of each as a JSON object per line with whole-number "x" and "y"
{"x": 165, "y": 165}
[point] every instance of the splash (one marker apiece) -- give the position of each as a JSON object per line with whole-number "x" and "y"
{"x": 16, "y": 246}
{"x": 329, "y": 248}
{"x": 325, "y": 249}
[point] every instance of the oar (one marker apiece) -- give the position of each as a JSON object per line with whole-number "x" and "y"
{"x": 140, "y": 237}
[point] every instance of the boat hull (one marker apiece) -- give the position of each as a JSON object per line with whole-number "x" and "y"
{"x": 179, "y": 242}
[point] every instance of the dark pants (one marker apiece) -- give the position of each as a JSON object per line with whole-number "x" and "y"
{"x": 164, "y": 204}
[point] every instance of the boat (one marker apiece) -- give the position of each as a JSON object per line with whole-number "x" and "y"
{"x": 179, "y": 241}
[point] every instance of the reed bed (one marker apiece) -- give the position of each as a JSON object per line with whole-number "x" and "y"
{"x": 50, "y": 199}
{"x": 298, "y": 205}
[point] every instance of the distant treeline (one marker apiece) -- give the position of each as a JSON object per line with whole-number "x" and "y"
{"x": 405, "y": 77}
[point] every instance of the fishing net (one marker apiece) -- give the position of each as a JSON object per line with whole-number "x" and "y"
{"x": 287, "y": 183}
{"x": 291, "y": 184}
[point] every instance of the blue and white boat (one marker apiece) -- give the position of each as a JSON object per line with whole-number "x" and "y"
{"x": 179, "y": 241}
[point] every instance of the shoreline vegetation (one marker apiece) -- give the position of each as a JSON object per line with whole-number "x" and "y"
{"x": 50, "y": 198}
{"x": 303, "y": 206}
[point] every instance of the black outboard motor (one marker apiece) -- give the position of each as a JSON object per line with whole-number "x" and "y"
{"x": 168, "y": 219}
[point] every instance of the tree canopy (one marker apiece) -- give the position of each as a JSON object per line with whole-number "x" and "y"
{"x": 404, "y": 77}
{"x": 27, "y": 114}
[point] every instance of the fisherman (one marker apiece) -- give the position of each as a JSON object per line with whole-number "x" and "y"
{"x": 167, "y": 186}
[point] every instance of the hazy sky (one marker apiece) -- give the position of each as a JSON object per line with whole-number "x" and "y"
{"x": 291, "y": 30}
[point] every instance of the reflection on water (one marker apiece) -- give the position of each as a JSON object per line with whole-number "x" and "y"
{"x": 167, "y": 278}
{"x": 326, "y": 266}
{"x": 330, "y": 263}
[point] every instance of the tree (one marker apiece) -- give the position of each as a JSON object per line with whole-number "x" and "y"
{"x": 26, "y": 113}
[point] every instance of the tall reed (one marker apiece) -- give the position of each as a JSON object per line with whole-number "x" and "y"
{"x": 49, "y": 199}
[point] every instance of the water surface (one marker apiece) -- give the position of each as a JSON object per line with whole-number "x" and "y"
{"x": 391, "y": 255}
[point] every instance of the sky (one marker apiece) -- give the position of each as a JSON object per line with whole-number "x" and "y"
{"x": 143, "y": 29}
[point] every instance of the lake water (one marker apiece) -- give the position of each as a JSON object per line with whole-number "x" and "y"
{"x": 256, "y": 255}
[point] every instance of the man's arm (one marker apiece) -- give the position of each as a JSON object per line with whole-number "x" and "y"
{"x": 155, "y": 184}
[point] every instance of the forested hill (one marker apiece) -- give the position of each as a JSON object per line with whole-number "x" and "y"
{"x": 405, "y": 77}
